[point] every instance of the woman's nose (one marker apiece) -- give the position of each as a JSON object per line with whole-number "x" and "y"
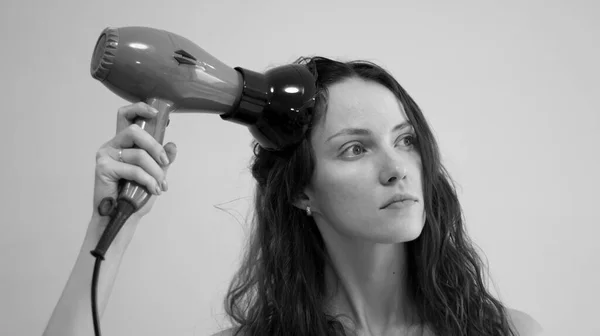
{"x": 393, "y": 173}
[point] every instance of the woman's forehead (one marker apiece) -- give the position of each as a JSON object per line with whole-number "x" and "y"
{"x": 356, "y": 103}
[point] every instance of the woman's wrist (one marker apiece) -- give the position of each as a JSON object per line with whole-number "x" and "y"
{"x": 119, "y": 245}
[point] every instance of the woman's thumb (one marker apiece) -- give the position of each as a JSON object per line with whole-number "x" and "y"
{"x": 171, "y": 150}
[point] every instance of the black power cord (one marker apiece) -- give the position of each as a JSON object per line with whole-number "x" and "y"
{"x": 119, "y": 214}
{"x": 94, "y": 296}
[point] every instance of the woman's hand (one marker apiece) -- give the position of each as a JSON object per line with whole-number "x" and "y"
{"x": 117, "y": 159}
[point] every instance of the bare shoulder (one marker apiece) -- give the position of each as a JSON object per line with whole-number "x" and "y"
{"x": 523, "y": 323}
{"x": 228, "y": 332}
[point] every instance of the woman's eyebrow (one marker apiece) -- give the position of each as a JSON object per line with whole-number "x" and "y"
{"x": 363, "y": 131}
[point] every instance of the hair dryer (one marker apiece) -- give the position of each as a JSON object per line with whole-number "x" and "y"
{"x": 172, "y": 74}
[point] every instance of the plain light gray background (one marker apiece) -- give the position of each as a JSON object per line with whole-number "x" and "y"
{"x": 511, "y": 89}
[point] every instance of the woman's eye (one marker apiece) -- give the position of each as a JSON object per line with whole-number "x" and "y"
{"x": 412, "y": 139}
{"x": 353, "y": 149}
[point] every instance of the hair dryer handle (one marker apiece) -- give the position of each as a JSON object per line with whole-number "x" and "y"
{"x": 133, "y": 195}
{"x": 134, "y": 192}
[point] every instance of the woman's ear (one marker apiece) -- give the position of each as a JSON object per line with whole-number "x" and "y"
{"x": 301, "y": 201}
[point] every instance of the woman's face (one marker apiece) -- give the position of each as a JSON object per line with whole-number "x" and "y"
{"x": 362, "y": 160}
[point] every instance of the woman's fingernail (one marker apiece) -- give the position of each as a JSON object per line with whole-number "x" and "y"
{"x": 157, "y": 189}
{"x": 164, "y": 159}
{"x": 165, "y": 187}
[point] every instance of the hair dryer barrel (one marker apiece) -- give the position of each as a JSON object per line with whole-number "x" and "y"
{"x": 143, "y": 64}
{"x": 139, "y": 63}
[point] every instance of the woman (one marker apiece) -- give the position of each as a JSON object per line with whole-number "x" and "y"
{"x": 357, "y": 229}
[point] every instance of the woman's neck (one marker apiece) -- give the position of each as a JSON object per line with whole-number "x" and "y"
{"x": 367, "y": 282}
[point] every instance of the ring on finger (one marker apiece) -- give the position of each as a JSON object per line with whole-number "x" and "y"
{"x": 121, "y": 155}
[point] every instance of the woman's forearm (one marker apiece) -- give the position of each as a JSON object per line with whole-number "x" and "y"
{"x": 72, "y": 314}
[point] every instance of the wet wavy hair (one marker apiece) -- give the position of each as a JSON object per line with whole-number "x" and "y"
{"x": 279, "y": 288}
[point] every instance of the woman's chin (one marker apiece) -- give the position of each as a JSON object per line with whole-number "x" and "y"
{"x": 395, "y": 234}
